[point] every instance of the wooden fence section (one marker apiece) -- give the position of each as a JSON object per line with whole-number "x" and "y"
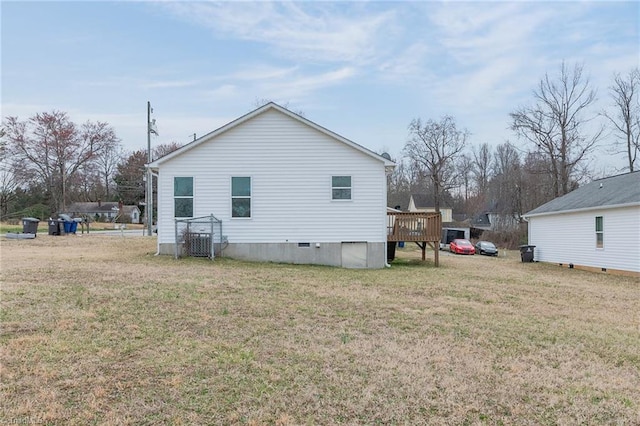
{"x": 422, "y": 228}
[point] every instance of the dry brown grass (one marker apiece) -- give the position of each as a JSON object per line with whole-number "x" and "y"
{"x": 98, "y": 330}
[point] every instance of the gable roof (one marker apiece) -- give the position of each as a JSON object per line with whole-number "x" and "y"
{"x": 481, "y": 221}
{"x": 425, "y": 201}
{"x": 614, "y": 191}
{"x": 256, "y": 112}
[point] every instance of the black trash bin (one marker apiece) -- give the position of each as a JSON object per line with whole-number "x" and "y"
{"x": 526, "y": 253}
{"x": 391, "y": 251}
{"x": 65, "y": 223}
{"x": 30, "y": 225}
{"x": 54, "y": 227}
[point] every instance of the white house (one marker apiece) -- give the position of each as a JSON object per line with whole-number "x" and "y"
{"x": 595, "y": 227}
{"x": 424, "y": 203}
{"x": 285, "y": 189}
{"x": 491, "y": 221}
{"x": 105, "y": 211}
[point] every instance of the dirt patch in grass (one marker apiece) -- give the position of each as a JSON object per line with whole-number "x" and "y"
{"x": 96, "y": 329}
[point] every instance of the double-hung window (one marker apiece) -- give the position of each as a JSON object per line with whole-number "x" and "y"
{"x": 183, "y": 196}
{"x": 599, "y": 232}
{"x": 241, "y": 196}
{"x": 341, "y": 187}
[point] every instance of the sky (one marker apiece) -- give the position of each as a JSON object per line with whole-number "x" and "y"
{"x": 362, "y": 69}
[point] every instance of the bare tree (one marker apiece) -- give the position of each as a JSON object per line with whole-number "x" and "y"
{"x": 164, "y": 149}
{"x": 465, "y": 171}
{"x": 258, "y": 102}
{"x": 434, "y": 147}
{"x": 87, "y": 184}
{"x": 537, "y": 181}
{"x": 482, "y": 167}
{"x": 555, "y": 124}
{"x": 506, "y": 184}
{"x": 625, "y": 93}
{"x": 94, "y": 179}
{"x": 399, "y": 186}
{"x": 8, "y": 178}
{"x": 51, "y": 149}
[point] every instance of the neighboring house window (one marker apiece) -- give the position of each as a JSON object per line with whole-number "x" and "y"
{"x": 340, "y": 187}
{"x": 599, "y": 232}
{"x": 241, "y": 197}
{"x": 183, "y": 196}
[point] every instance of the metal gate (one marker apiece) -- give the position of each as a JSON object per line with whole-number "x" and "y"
{"x": 199, "y": 237}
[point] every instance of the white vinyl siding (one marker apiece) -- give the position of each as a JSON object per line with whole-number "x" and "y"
{"x": 290, "y": 165}
{"x": 569, "y": 238}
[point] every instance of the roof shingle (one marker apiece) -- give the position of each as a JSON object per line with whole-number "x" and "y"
{"x": 616, "y": 190}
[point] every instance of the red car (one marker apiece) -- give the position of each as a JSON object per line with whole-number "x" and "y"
{"x": 461, "y": 247}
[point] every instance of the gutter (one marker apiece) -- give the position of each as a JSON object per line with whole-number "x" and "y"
{"x": 583, "y": 209}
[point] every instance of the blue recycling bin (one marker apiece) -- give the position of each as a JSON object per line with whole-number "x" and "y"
{"x": 67, "y": 227}
{"x": 73, "y": 227}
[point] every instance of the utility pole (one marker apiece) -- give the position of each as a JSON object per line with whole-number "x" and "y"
{"x": 149, "y": 191}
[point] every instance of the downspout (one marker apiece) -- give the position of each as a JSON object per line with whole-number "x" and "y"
{"x": 388, "y": 170}
{"x": 386, "y": 264}
{"x": 151, "y": 186}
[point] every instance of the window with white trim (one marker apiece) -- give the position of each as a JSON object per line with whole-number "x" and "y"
{"x": 599, "y": 232}
{"x": 183, "y": 196}
{"x": 241, "y": 197}
{"x": 341, "y": 187}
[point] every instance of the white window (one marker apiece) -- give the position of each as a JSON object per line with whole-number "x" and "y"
{"x": 183, "y": 197}
{"x": 340, "y": 187}
{"x": 599, "y": 232}
{"x": 241, "y": 196}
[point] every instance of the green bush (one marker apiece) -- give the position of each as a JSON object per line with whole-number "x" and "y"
{"x": 39, "y": 211}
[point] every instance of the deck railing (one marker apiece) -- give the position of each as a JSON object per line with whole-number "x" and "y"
{"x": 414, "y": 226}
{"x": 422, "y": 228}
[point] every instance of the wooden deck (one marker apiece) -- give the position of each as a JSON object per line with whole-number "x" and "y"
{"x": 424, "y": 229}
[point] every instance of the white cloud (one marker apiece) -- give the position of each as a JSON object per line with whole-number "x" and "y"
{"x": 226, "y": 91}
{"x": 278, "y": 84}
{"x": 480, "y": 32}
{"x": 141, "y": 83}
{"x": 262, "y": 72}
{"x": 169, "y": 84}
{"x": 298, "y": 87}
{"x": 409, "y": 62}
{"x": 300, "y": 30}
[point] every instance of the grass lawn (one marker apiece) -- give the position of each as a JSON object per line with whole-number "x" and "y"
{"x": 95, "y": 329}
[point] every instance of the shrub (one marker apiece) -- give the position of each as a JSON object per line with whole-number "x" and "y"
{"x": 510, "y": 239}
